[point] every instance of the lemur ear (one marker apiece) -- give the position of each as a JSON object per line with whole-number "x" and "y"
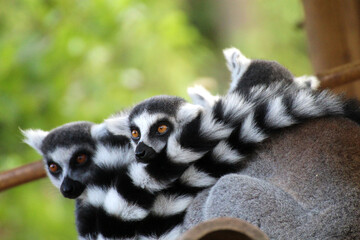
{"x": 188, "y": 112}
{"x": 200, "y": 96}
{"x": 235, "y": 59}
{"x": 237, "y": 64}
{"x": 99, "y": 130}
{"x": 118, "y": 125}
{"x": 34, "y": 138}
{"x": 307, "y": 82}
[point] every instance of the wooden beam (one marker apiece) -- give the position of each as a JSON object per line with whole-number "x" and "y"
{"x": 339, "y": 76}
{"x": 21, "y": 175}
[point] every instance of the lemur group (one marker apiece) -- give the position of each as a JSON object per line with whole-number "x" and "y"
{"x": 135, "y": 175}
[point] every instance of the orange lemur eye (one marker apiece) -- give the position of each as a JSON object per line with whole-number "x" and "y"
{"x": 53, "y": 167}
{"x": 135, "y": 134}
{"x": 81, "y": 158}
{"x": 162, "y": 129}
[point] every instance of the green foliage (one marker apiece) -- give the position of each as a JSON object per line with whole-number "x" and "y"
{"x": 64, "y": 61}
{"x": 273, "y": 33}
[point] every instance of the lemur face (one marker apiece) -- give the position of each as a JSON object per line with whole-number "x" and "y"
{"x": 73, "y": 152}
{"x": 154, "y": 123}
{"x": 67, "y": 154}
{"x": 151, "y": 123}
{"x": 149, "y": 138}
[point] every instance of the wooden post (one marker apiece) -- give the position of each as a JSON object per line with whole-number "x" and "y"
{"x": 333, "y": 30}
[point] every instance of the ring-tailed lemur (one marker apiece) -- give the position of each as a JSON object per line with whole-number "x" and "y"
{"x": 85, "y": 162}
{"x": 97, "y": 168}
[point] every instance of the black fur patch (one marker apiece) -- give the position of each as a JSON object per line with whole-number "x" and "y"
{"x": 163, "y": 169}
{"x": 213, "y": 167}
{"x": 237, "y": 143}
{"x": 180, "y": 188}
{"x": 114, "y": 227}
{"x": 159, "y": 104}
{"x": 259, "y": 117}
{"x": 132, "y": 193}
{"x": 92, "y": 221}
{"x": 115, "y": 140}
{"x": 68, "y": 135}
{"x": 218, "y": 111}
{"x": 105, "y": 177}
{"x": 352, "y": 110}
{"x": 288, "y": 101}
{"x": 86, "y": 219}
{"x": 261, "y": 72}
{"x": 156, "y": 225}
{"x": 191, "y": 138}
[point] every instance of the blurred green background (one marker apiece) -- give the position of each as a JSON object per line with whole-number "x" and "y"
{"x": 64, "y": 61}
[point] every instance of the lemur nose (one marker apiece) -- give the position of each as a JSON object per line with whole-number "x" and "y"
{"x": 71, "y": 188}
{"x": 66, "y": 189}
{"x": 144, "y": 153}
{"x": 140, "y": 154}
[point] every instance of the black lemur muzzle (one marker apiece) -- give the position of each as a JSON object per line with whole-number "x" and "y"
{"x": 71, "y": 189}
{"x": 144, "y": 153}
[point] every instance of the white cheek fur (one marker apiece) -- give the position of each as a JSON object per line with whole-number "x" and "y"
{"x": 55, "y": 181}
